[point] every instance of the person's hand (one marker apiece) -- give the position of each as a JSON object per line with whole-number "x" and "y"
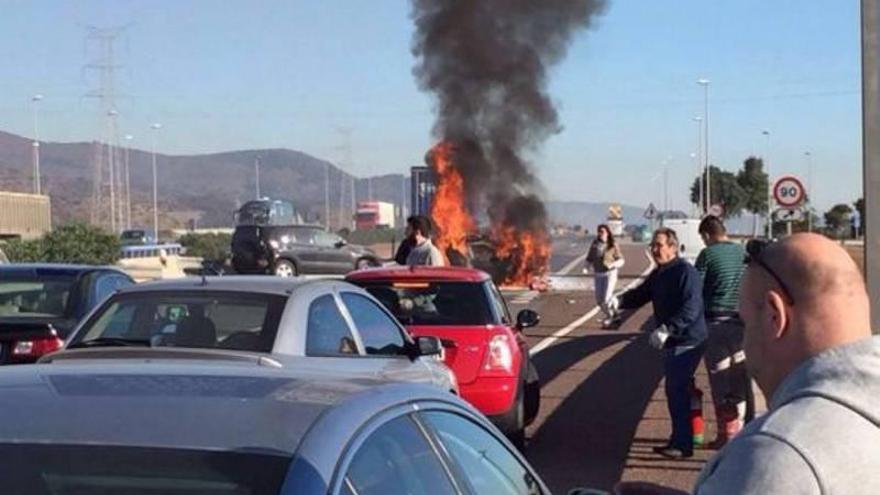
{"x": 658, "y": 337}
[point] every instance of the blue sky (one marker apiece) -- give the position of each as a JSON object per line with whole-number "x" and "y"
{"x": 266, "y": 73}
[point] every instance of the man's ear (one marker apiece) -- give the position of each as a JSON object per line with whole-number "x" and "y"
{"x": 777, "y": 313}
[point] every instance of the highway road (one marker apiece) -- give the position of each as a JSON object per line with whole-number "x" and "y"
{"x": 603, "y": 406}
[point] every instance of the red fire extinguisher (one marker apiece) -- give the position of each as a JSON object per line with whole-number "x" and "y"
{"x": 697, "y": 424}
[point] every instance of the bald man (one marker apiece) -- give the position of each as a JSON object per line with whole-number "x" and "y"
{"x": 808, "y": 339}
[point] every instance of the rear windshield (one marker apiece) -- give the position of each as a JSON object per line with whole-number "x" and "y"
{"x": 434, "y": 303}
{"x": 223, "y": 320}
{"x": 43, "y": 297}
{"x": 98, "y": 470}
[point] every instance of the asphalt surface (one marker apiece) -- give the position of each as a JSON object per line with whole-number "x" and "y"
{"x": 603, "y": 406}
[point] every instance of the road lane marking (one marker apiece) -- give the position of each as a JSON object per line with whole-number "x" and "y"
{"x": 562, "y": 332}
{"x": 571, "y": 266}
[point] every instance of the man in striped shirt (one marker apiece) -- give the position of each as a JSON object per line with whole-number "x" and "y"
{"x": 721, "y": 265}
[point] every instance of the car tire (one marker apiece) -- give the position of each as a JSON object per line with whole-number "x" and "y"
{"x": 512, "y": 423}
{"x": 532, "y": 394}
{"x": 285, "y": 268}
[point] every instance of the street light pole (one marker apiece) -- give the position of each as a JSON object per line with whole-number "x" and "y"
{"x": 809, "y": 156}
{"x": 705, "y": 84}
{"x": 36, "y": 145}
{"x": 769, "y": 219}
{"x": 326, "y": 196}
{"x": 257, "y": 175}
{"x": 155, "y": 127}
{"x": 128, "y": 138}
{"x": 699, "y": 120}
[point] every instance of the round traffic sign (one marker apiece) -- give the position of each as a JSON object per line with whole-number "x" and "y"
{"x": 789, "y": 191}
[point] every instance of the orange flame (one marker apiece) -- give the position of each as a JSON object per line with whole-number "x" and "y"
{"x": 528, "y": 253}
{"x": 448, "y": 211}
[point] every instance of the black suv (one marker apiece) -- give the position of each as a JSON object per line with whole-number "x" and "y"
{"x": 291, "y": 250}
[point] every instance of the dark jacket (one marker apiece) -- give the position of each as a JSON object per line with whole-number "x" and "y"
{"x": 676, "y": 292}
{"x": 403, "y": 250}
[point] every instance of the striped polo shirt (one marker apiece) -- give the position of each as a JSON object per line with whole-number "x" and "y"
{"x": 721, "y": 266}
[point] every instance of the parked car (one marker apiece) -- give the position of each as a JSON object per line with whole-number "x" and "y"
{"x": 41, "y": 303}
{"x": 291, "y": 250}
{"x": 484, "y": 346}
{"x": 186, "y": 428}
{"x": 285, "y": 319}
{"x": 137, "y": 237}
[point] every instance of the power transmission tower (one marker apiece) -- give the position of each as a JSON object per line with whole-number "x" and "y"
{"x": 108, "y": 197}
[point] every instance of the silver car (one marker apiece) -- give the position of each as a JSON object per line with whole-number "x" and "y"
{"x": 323, "y": 324}
{"x": 196, "y": 428}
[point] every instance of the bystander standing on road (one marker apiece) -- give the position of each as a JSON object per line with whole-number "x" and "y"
{"x": 604, "y": 258}
{"x": 676, "y": 292}
{"x": 808, "y": 339}
{"x": 721, "y": 265}
{"x": 423, "y": 251}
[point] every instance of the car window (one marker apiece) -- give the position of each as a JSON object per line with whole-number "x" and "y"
{"x": 328, "y": 333}
{"x": 305, "y": 236}
{"x": 398, "y": 460}
{"x": 107, "y": 284}
{"x": 46, "y": 469}
{"x": 35, "y": 297}
{"x": 226, "y": 320}
{"x": 379, "y": 332}
{"x": 434, "y": 303}
{"x": 490, "y": 468}
{"x": 499, "y": 304}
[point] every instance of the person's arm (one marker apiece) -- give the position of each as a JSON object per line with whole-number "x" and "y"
{"x": 437, "y": 258}
{"x": 758, "y": 463}
{"x": 691, "y": 287}
{"x": 639, "y": 295}
{"x": 618, "y": 259}
{"x": 403, "y": 251}
{"x": 700, "y": 264}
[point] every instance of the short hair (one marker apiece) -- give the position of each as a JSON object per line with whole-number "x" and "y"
{"x": 671, "y": 236}
{"x": 420, "y": 223}
{"x": 712, "y": 226}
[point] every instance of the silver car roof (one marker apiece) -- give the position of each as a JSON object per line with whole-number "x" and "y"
{"x": 262, "y": 284}
{"x": 188, "y": 405}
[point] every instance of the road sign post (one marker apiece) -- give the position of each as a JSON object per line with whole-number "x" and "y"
{"x": 790, "y": 194}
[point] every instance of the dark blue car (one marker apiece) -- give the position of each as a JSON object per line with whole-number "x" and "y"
{"x": 41, "y": 303}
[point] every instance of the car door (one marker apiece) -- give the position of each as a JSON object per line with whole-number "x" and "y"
{"x": 332, "y": 343}
{"x": 304, "y": 247}
{"x": 335, "y": 256}
{"x": 383, "y": 339}
{"x": 397, "y": 459}
{"x": 482, "y": 462}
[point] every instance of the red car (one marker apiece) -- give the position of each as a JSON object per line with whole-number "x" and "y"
{"x": 484, "y": 347}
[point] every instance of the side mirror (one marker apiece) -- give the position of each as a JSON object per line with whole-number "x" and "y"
{"x": 341, "y": 243}
{"x": 527, "y": 318}
{"x": 429, "y": 346}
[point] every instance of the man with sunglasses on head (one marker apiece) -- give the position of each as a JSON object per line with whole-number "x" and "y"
{"x": 676, "y": 292}
{"x": 809, "y": 346}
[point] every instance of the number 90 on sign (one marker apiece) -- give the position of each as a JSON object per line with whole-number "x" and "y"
{"x": 789, "y": 191}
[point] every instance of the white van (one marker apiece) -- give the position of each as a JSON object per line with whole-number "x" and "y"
{"x": 689, "y": 241}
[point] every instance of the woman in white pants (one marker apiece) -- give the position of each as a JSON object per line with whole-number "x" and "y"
{"x": 605, "y": 259}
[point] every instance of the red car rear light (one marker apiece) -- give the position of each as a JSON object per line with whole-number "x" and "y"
{"x": 499, "y": 356}
{"x": 35, "y": 348}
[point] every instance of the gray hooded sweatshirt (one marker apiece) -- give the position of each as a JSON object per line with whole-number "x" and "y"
{"x": 821, "y": 435}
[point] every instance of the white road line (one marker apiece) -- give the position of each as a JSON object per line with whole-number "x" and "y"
{"x": 562, "y": 332}
{"x": 571, "y": 266}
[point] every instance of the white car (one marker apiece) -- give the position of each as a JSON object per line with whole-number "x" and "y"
{"x": 324, "y": 325}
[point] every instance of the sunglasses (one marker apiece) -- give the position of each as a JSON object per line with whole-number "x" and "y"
{"x": 755, "y": 249}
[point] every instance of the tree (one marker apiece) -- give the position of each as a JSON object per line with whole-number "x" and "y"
{"x": 755, "y": 184}
{"x": 725, "y": 190}
{"x": 837, "y": 219}
{"x": 210, "y": 247}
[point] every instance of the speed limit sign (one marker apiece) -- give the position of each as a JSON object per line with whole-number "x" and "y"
{"x": 789, "y": 191}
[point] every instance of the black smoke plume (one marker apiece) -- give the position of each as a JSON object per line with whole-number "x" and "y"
{"x": 487, "y": 63}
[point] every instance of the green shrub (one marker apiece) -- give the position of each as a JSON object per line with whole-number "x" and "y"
{"x": 211, "y": 247}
